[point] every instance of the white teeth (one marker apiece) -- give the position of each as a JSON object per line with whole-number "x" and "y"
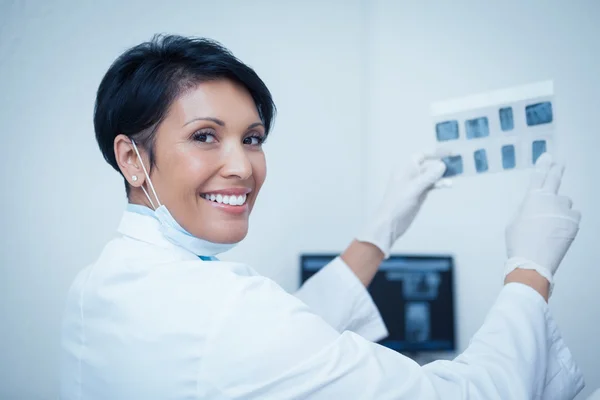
{"x": 229, "y": 200}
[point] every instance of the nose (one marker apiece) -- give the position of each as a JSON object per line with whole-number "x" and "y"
{"x": 236, "y": 162}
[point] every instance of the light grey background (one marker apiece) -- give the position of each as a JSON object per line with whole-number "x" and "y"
{"x": 353, "y": 81}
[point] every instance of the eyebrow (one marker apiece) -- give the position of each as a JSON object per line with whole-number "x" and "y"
{"x": 254, "y": 125}
{"x": 221, "y": 122}
{"x": 215, "y": 120}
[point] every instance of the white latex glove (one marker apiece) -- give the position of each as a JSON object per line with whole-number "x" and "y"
{"x": 406, "y": 191}
{"x": 595, "y": 395}
{"x": 545, "y": 225}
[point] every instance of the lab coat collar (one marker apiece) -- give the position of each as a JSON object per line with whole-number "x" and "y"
{"x": 146, "y": 228}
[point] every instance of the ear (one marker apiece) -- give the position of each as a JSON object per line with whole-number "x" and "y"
{"x": 128, "y": 161}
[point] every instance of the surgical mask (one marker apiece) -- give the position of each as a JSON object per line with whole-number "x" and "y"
{"x": 175, "y": 232}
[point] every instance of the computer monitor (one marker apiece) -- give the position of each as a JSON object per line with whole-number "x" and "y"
{"x": 415, "y": 296}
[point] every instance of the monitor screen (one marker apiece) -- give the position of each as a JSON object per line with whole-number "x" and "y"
{"x": 415, "y": 296}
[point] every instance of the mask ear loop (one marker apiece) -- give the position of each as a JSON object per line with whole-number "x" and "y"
{"x": 147, "y": 177}
{"x": 148, "y": 197}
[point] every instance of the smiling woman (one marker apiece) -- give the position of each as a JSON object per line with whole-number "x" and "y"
{"x": 201, "y": 116}
{"x": 218, "y": 155}
{"x": 158, "y": 316}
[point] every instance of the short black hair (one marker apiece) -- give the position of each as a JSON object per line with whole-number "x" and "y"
{"x": 141, "y": 84}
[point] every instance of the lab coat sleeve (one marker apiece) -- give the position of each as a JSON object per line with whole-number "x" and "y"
{"x": 564, "y": 379}
{"x": 339, "y": 297}
{"x": 506, "y": 336}
{"x": 268, "y": 344}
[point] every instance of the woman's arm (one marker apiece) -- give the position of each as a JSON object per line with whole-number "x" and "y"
{"x": 363, "y": 259}
{"x": 530, "y": 278}
{"x": 337, "y": 292}
{"x": 284, "y": 350}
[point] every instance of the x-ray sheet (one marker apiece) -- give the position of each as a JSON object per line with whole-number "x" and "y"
{"x": 496, "y": 131}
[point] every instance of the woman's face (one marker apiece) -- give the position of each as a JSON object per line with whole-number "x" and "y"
{"x": 209, "y": 162}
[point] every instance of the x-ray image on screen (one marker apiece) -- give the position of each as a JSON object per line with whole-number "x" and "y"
{"x": 414, "y": 295}
{"x": 421, "y": 285}
{"x": 418, "y": 325}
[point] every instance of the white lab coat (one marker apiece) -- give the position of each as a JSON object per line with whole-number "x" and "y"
{"x": 149, "y": 320}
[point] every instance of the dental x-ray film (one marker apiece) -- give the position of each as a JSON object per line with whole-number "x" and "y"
{"x": 496, "y": 131}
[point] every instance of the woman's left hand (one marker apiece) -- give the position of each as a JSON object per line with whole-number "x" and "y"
{"x": 406, "y": 191}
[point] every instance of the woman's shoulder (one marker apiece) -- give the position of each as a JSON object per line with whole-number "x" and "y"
{"x": 129, "y": 260}
{"x": 140, "y": 281}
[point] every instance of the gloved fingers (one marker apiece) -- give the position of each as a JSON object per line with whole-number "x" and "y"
{"x": 438, "y": 154}
{"x": 432, "y": 172}
{"x": 428, "y": 165}
{"x": 542, "y": 167}
{"x": 415, "y": 166}
{"x": 575, "y": 215}
{"x": 444, "y": 183}
{"x": 419, "y": 162}
{"x": 564, "y": 202}
{"x": 419, "y": 158}
{"x": 540, "y": 202}
{"x": 554, "y": 178}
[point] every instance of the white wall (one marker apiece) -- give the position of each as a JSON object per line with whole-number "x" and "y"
{"x": 344, "y": 112}
{"x": 423, "y": 53}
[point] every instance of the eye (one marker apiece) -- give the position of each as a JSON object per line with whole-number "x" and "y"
{"x": 254, "y": 140}
{"x": 205, "y": 137}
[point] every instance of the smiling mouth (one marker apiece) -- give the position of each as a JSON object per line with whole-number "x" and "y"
{"x": 231, "y": 200}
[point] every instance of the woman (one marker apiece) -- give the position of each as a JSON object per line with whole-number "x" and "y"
{"x": 157, "y": 316}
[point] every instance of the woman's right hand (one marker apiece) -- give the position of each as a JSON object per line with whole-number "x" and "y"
{"x": 545, "y": 225}
{"x": 406, "y": 192}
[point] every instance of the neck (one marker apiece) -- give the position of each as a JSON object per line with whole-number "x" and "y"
{"x": 137, "y": 196}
